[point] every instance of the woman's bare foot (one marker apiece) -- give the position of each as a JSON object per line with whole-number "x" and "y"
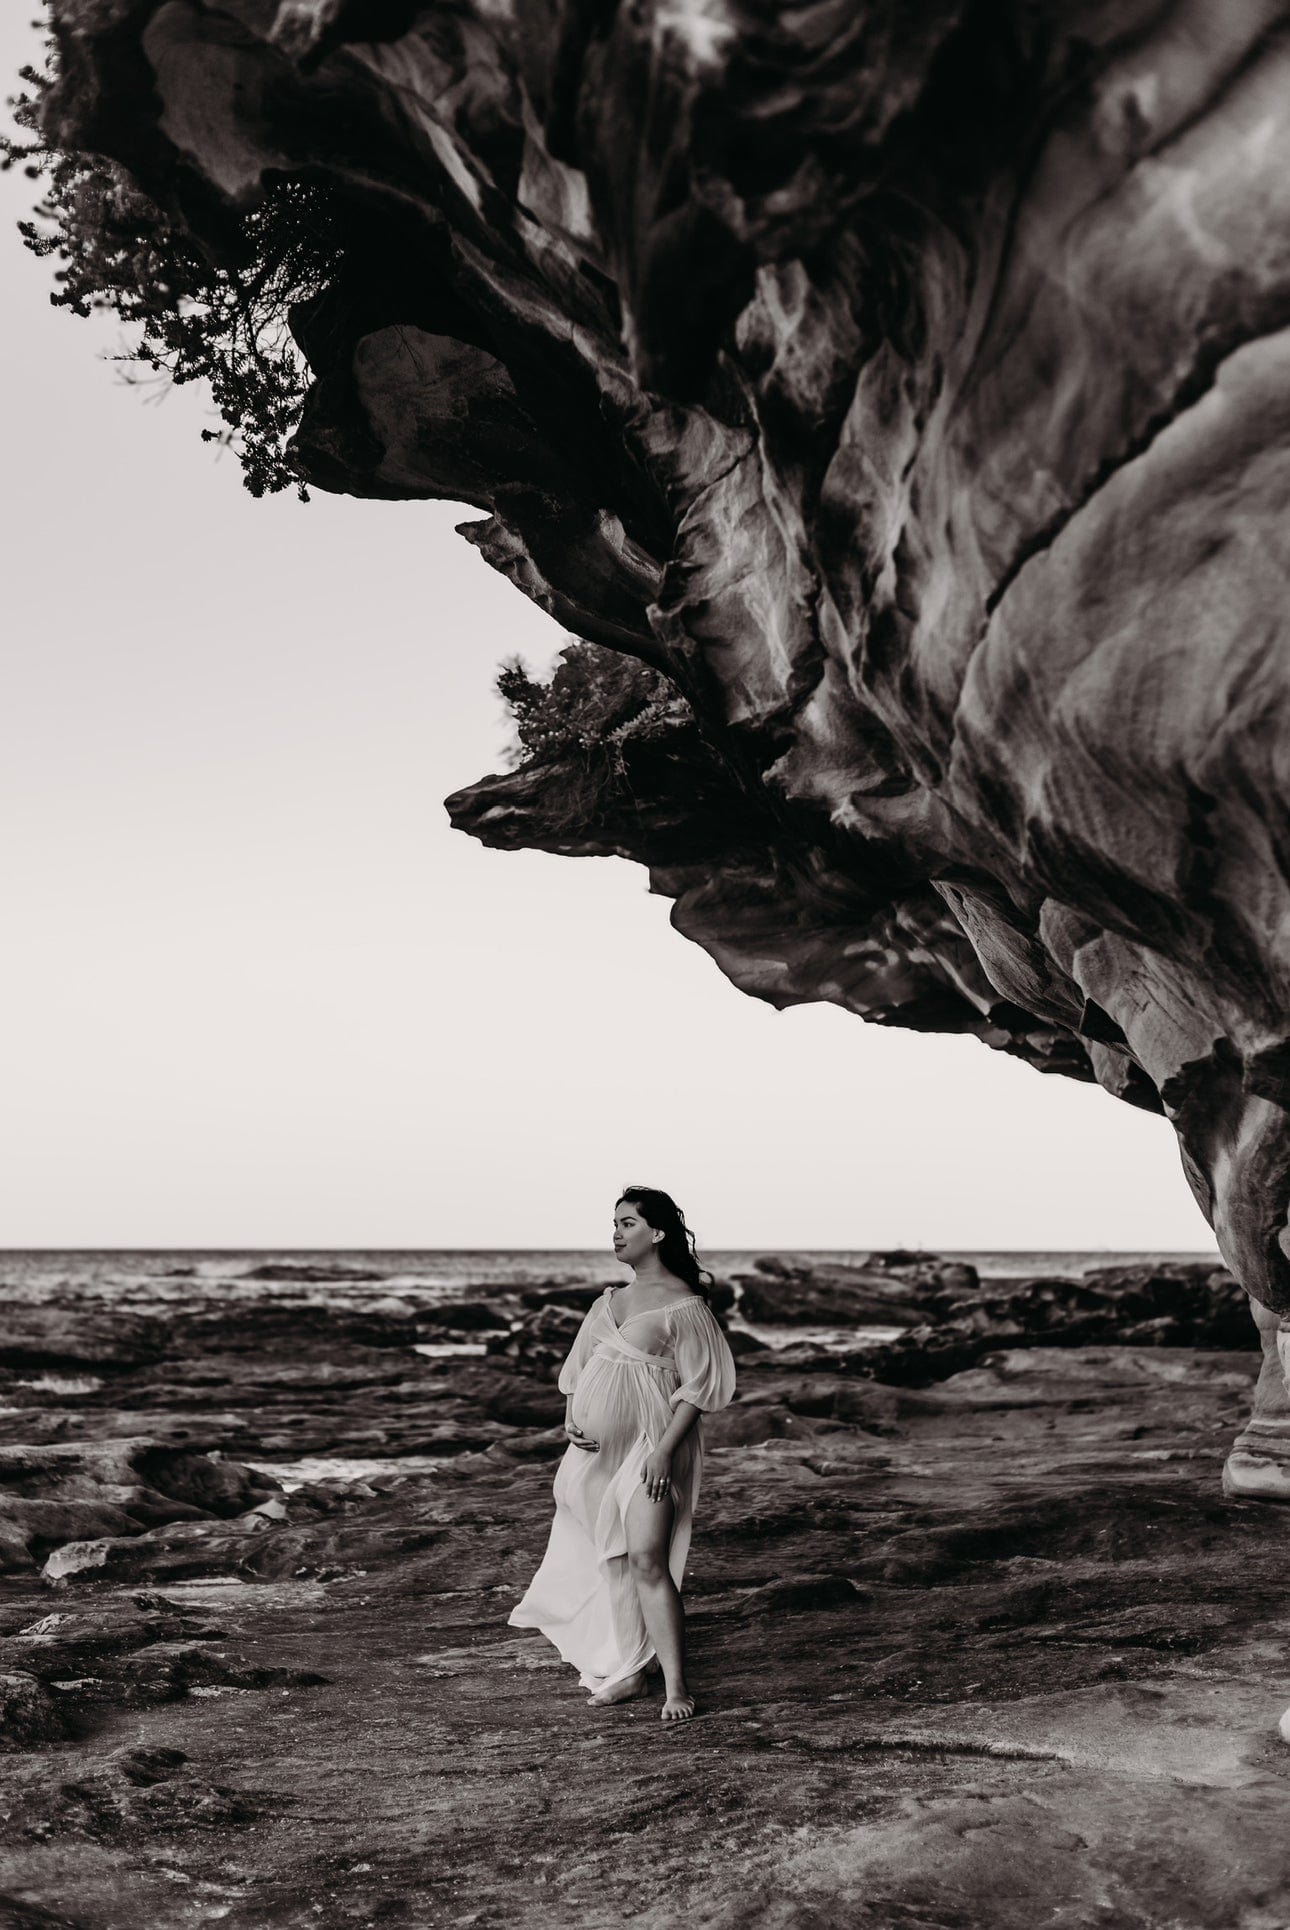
{"x": 679, "y": 1706}
{"x": 620, "y": 1691}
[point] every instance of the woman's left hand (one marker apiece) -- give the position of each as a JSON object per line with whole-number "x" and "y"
{"x": 657, "y": 1475}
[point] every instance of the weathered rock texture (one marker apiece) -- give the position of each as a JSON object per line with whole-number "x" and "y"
{"x": 911, "y": 387}
{"x": 994, "y": 1651}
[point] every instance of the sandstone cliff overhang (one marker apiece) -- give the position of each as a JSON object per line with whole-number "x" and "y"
{"x": 910, "y": 387}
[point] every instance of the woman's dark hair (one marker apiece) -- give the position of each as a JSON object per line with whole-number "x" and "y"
{"x": 676, "y": 1248}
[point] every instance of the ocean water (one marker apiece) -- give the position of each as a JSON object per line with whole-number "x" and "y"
{"x": 141, "y": 1276}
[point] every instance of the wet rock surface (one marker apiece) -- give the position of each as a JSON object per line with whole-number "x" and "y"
{"x": 963, "y": 1650}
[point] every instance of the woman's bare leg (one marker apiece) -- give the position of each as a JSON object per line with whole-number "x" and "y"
{"x": 627, "y": 1685}
{"x": 649, "y": 1533}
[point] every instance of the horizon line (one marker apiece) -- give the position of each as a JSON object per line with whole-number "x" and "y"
{"x": 710, "y": 1246}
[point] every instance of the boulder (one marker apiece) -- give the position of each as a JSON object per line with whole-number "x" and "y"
{"x": 297, "y": 1327}
{"x": 81, "y": 1492}
{"x": 898, "y": 1258}
{"x": 133, "y": 1795}
{"x": 781, "y": 1293}
{"x": 145, "y": 1766}
{"x": 77, "y": 1335}
{"x": 310, "y": 1271}
{"x": 461, "y": 1316}
{"x": 541, "y": 1340}
{"x": 577, "y": 1295}
{"x": 1187, "y": 1305}
{"x": 29, "y": 1715}
{"x": 925, "y": 1274}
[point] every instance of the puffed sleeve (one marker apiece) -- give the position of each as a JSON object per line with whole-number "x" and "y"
{"x": 584, "y": 1342}
{"x": 705, "y": 1366}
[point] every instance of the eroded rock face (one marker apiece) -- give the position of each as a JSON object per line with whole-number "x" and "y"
{"x": 56, "y": 1494}
{"x": 911, "y": 387}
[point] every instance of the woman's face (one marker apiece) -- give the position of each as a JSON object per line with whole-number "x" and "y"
{"x": 633, "y": 1236}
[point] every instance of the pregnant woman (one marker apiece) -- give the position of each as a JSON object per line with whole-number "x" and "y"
{"x": 648, "y": 1361}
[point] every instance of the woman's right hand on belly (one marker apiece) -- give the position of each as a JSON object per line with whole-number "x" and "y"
{"x": 578, "y": 1438}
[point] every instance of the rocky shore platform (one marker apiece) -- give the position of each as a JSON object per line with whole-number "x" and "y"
{"x": 976, "y": 1636}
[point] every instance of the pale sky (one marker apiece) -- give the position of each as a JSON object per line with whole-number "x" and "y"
{"x": 255, "y": 992}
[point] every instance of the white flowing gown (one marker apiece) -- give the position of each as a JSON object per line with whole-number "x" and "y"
{"x": 625, "y": 1382}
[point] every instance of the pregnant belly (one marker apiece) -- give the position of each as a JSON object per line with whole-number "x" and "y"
{"x": 608, "y": 1406}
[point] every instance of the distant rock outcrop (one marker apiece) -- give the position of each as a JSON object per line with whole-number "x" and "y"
{"x": 910, "y": 387}
{"x": 799, "y": 1294}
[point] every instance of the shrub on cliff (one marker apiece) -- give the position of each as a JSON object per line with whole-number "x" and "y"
{"x": 597, "y": 700}
{"x": 192, "y": 318}
{"x": 611, "y": 737}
